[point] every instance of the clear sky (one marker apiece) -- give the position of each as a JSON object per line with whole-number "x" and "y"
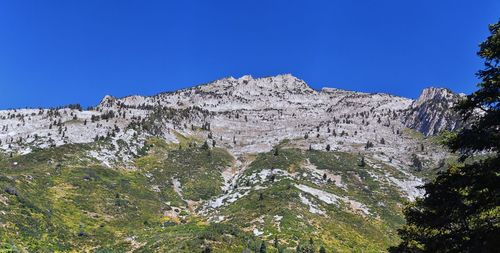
{"x": 60, "y": 52}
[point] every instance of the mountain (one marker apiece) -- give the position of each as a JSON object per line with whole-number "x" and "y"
{"x": 224, "y": 166}
{"x": 432, "y": 112}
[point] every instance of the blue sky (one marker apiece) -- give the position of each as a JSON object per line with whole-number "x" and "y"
{"x": 60, "y": 52}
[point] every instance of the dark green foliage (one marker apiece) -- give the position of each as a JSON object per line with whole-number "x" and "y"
{"x": 205, "y": 146}
{"x": 322, "y": 249}
{"x": 484, "y": 134}
{"x": 11, "y": 190}
{"x": 263, "y": 247}
{"x": 368, "y": 145}
{"x": 460, "y": 211}
{"x": 361, "y": 162}
{"x": 416, "y": 164}
{"x": 207, "y": 249}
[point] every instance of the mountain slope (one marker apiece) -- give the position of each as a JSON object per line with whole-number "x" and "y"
{"x": 225, "y": 165}
{"x": 432, "y": 112}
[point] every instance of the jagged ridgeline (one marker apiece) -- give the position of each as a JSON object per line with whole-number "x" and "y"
{"x": 236, "y": 165}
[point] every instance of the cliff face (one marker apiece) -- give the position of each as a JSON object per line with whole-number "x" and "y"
{"x": 433, "y": 112}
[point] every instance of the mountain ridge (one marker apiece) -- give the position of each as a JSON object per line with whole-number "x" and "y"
{"x": 237, "y": 160}
{"x": 246, "y": 93}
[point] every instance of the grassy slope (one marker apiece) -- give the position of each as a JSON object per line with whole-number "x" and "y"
{"x": 67, "y": 201}
{"x": 341, "y": 230}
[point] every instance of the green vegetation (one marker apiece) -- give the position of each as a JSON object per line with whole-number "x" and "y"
{"x": 461, "y": 209}
{"x": 277, "y": 210}
{"x": 63, "y": 199}
{"x": 60, "y": 199}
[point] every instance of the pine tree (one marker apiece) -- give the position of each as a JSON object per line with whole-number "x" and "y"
{"x": 460, "y": 210}
{"x": 361, "y": 162}
{"x": 322, "y": 249}
{"x": 416, "y": 164}
{"x": 207, "y": 249}
{"x": 298, "y": 249}
{"x": 328, "y": 147}
{"x": 205, "y": 146}
{"x": 368, "y": 145}
{"x": 263, "y": 247}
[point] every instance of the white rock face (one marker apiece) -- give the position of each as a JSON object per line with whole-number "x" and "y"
{"x": 432, "y": 112}
{"x": 245, "y": 115}
{"x": 330, "y": 198}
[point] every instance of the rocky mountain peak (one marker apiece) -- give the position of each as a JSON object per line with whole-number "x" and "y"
{"x": 107, "y": 101}
{"x": 279, "y": 83}
{"x": 249, "y": 89}
{"x": 436, "y": 95}
{"x": 433, "y": 111}
{"x": 245, "y": 78}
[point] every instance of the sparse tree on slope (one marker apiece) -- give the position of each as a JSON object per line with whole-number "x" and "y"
{"x": 322, "y": 249}
{"x": 361, "y": 162}
{"x": 263, "y": 247}
{"x": 205, "y": 146}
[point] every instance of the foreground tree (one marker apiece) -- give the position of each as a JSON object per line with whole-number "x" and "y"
{"x": 461, "y": 208}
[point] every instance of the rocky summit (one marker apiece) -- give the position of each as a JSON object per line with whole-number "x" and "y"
{"x": 227, "y": 166}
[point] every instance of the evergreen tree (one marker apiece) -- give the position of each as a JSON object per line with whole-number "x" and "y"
{"x": 263, "y": 247}
{"x": 322, "y": 249}
{"x": 460, "y": 210}
{"x": 361, "y": 162}
{"x": 298, "y": 249}
{"x": 205, "y": 146}
{"x": 207, "y": 249}
{"x": 328, "y": 147}
{"x": 416, "y": 164}
{"x": 368, "y": 145}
